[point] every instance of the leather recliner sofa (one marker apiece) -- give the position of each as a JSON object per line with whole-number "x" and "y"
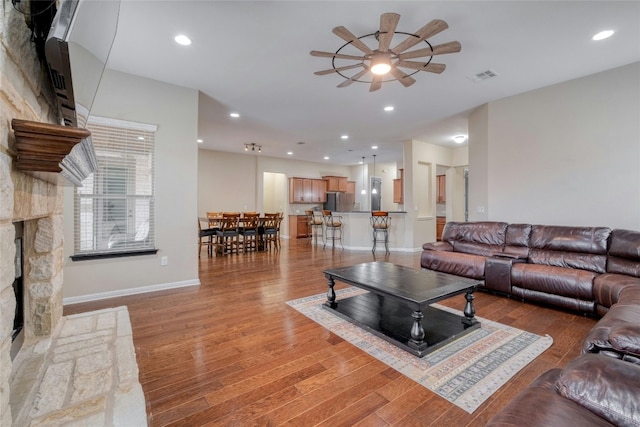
{"x": 591, "y": 270}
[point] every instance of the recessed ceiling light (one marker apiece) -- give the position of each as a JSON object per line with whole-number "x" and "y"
{"x": 374, "y": 147}
{"x": 289, "y": 153}
{"x": 141, "y": 138}
{"x": 388, "y": 108}
{"x": 182, "y": 39}
{"x": 326, "y": 157}
{"x": 234, "y": 115}
{"x": 603, "y": 35}
{"x": 200, "y": 141}
{"x": 459, "y": 139}
{"x": 345, "y": 137}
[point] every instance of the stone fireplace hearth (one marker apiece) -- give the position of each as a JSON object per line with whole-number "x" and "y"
{"x": 26, "y": 93}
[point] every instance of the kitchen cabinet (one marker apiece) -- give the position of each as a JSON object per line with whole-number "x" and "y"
{"x": 440, "y": 222}
{"x": 441, "y": 189}
{"x": 336, "y": 183}
{"x": 398, "y": 188}
{"x": 319, "y": 190}
{"x": 307, "y": 190}
{"x": 351, "y": 187}
{"x": 298, "y": 226}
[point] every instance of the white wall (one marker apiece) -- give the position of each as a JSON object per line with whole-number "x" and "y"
{"x": 567, "y": 154}
{"x": 175, "y": 110}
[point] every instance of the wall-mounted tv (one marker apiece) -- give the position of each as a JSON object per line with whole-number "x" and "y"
{"x": 76, "y": 51}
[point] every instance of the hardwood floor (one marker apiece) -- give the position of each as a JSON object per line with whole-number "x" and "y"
{"x": 231, "y": 352}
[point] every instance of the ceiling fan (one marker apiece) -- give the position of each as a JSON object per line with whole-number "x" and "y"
{"x": 383, "y": 60}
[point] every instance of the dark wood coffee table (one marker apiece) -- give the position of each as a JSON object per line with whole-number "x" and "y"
{"x": 397, "y": 306}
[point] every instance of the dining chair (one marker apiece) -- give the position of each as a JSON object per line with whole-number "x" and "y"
{"x": 332, "y": 228}
{"x": 205, "y": 238}
{"x": 227, "y": 235}
{"x": 380, "y": 223}
{"x": 271, "y": 232}
{"x": 248, "y": 230}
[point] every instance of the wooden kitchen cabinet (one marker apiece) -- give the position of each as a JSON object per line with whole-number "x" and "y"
{"x": 398, "y": 188}
{"x": 319, "y": 192}
{"x": 351, "y": 187}
{"x": 336, "y": 183}
{"x": 298, "y": 226}
{"x": 440, "y": 222}
{"x": 441, "y": 189}
{"x": 307, "y": 190}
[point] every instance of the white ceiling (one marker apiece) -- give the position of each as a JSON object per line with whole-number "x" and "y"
{"x": 252, "y": 57}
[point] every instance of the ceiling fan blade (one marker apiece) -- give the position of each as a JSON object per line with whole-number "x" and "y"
{"x": 402, "y": 77}
{"x": 422, "y": 66}
{"x": 337, "y": 55}
{"x": 441, "y": 49}
{"x": 376, "y": 83}
{"x": 348, "y": 36}
{"x": 353, "y": 78}
{"x": 429, "y": 30}
{"x": 335, "y": 70}
{"x": 388, "y": 24}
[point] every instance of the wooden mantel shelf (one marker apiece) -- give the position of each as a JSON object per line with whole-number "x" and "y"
{"x": 47, "y": 148}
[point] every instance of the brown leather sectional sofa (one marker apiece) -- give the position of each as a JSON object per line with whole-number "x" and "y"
{"x": 590, "y": 270}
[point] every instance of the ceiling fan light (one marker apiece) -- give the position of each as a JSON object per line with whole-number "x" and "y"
{"x": 380, "y": 63}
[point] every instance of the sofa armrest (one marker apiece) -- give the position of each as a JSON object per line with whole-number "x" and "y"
{"x": 540, "y": 405}
{"x": 607, "y": 387}
{"x": 498, "y": 273}
{"x": 625, "y": 338}
{"x": 438, "y": 246}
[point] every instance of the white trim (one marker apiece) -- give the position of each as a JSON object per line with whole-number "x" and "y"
{"x": 123, "y": 124}
{"x": 130, "y": 291}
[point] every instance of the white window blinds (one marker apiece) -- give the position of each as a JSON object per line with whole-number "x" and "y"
{"x": 114, "y": 208}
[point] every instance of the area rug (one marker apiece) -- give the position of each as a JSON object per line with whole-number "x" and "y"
{"x": 466, "y": 371}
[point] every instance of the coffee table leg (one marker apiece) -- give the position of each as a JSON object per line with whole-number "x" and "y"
{"x": 469, "y": 310}
{"x": 331, "y": 294}
{"x": 417, "y": 331}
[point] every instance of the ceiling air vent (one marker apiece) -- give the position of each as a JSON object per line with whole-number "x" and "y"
{"x": 485, "y": 75}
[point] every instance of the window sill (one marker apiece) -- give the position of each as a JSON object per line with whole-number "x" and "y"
{"x": 87, "y": 257}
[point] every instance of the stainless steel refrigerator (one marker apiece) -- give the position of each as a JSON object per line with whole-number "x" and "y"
{"x": 339, "y": 202}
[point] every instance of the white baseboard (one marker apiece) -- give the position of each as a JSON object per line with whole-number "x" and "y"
{"x": 130, "y": 291}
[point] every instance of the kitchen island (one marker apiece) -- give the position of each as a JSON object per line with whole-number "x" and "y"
{"x": 357, "y": 233}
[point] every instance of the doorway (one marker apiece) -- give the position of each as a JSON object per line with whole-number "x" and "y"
{"x": 274, "y": 192}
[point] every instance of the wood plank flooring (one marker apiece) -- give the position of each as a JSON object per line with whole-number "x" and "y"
{"x": 231, "y": 352}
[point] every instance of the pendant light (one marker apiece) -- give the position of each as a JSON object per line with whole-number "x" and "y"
{"x": 363, "y": 190}
{"x": 373, "y": 190}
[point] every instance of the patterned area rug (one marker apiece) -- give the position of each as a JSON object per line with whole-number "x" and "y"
{"x": 465, "y": 372}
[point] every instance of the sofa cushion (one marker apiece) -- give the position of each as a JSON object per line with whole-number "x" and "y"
{"x": 624, "y": 253}
{"x": 607, "y": 387}
{"x": 457, "y": 263}
{"x": 581, "y": 248}
{"x": 566, "y": 282}
{"x": 476, "y": 248}
{"x": 516, "y": 242}
{"x": 484, "y": 232}
{"x": 438, "y": 246}
{"x": 607, "y": 287}
{"x": 541, "y": 405}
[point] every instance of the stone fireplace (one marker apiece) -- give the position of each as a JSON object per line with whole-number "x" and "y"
{"x": 25, "y": 93}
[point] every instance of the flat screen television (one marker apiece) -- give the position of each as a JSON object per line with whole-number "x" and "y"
{"x": 76, "y": 51}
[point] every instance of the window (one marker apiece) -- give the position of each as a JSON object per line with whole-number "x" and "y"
{"x": 114, "y": 208}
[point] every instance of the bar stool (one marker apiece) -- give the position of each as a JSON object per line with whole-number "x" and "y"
{"x": 380, "y": 222}
{"x": 332, "y": 228}
{"x": 315, "y": 223}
